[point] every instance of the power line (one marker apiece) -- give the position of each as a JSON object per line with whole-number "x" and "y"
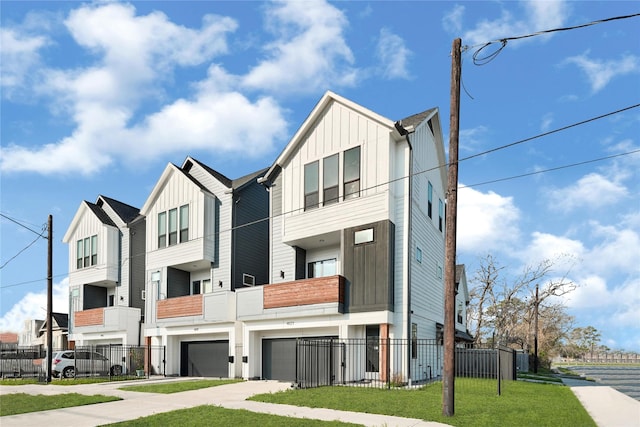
{"x": 550, "y": 132}
{"x": 40, "y": 234}
{"x": 551, "y": 169}
{"x": 22, "y": 250}
{"x": 503, "y": 42}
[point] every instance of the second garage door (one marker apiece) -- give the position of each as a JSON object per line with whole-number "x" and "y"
{"x": 204, "y": 359}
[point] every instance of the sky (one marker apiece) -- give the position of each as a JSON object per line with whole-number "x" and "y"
{"x": 97, "y": 98}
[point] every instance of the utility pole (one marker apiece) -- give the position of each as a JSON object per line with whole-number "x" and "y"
{"x": 535, "y": 335}
{"x": 49, "y": 295}
{"x": 448, "y": 380}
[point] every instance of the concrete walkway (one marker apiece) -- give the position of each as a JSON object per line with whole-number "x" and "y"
{"x": 607, "y": 406}
{"x": 135, "y": 405}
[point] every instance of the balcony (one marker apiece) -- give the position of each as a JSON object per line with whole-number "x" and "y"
{"x": 310, "y": 297}
{"x": 106, "y": 319}
{"x": 210, "y": 307}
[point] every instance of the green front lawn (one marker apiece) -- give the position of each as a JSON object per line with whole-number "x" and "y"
{"x": 207, "y": 415}
{"x": 176, "y": 386}
{"x": 522, "y": 403}
{"x": 21, "y": 403}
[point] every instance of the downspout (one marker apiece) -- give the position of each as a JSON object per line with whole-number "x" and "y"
{"x": 405, "y": 133}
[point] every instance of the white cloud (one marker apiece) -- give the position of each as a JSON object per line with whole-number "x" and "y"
{"x": 618, "y": 250}
{"x": 486, "y": 221}
{"x": 134, "y": 55}
{"x": 547, "y": 120}
{"x": 393, "y": 55}
{"x": 537, "y": 16}
{"x": 601, "y": 72}
{"x": 310, "y": 52}
{"x": 18, "y": 53}
{"x": 34, "y": 306}
{"x": 592, "y": 190}
{"x": 562, "y": 251}
{"x": 452, "y": 21}
{"x": 471, "y": 139}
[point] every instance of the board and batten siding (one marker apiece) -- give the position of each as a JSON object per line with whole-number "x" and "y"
{"x": 339, "y": 129}
{"x": 107, "y": 267}
{"x": 177, "y": 191}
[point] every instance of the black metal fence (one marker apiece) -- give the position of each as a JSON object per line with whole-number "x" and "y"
{"x": 22, "y": 362}
{"x": 109, "y": 361}
{"x": 112, "y": 361}
{"x": 394, "y": 363}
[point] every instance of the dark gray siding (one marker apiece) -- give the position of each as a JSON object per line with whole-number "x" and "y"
{"x": 368, "y": 268}
{"x": 301, "y": 263}
{"x": 137, "y": 263}
{"x": 94, "y": 297}
{"x": 177, "y": 283}
{"x": 250, "y": 244}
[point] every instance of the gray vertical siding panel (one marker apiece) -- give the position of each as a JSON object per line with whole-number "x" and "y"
{"x": 137, "y": 263}
{"x": 251, "y": 242}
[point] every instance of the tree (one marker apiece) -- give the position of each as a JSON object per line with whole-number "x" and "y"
{"x": 502, "y": 308}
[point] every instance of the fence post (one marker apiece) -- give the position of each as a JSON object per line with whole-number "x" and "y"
{"x": 498, "y": 369}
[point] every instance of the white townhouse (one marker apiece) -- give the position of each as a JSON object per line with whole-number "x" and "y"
{"x": 106, "y": 274}
{"x": 207, "y": 236}
{"x": 356, "y": 245}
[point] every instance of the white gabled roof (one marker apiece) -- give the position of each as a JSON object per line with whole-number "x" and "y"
{"x": 315, "y": 114}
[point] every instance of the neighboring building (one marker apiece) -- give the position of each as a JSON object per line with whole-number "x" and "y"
{"x": 106, "y": 273}
{"x": 34, "y": 332}
{"x": 356, "y": 239}
{"x": 30, "y": 334}
{"x": 462, "y": 302}
{"x": 206, "y": 237}
{"x": 9, "y": 338}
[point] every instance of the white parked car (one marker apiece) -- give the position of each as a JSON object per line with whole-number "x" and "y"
{"x": 70, "y": 363}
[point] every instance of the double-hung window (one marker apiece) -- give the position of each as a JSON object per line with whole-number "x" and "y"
{"x": 330, "y": 179}
{"x": 173, "y": 226}
{"x": 352, "y": 173}
{"x": 184, "y": 223}
{"x": 87, "y": 252}
{"x": 162, "y": 229}
{"x": 311, "y": 185}
{"x": 429, "y": 199}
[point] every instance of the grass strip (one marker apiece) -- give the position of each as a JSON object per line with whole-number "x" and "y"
{"x": 522, "y": 403}
{"x": 208, "y": 415}
{"x": 168, "y": 387}
{"x": 22, "y": 403}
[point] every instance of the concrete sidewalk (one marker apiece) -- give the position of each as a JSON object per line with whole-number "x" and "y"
{"x": 607, "y": 406}
{"x": 135, "y": 405}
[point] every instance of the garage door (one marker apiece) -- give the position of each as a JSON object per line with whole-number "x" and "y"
{"x": 279, "y": 358}
{"x": 204, "y": 359}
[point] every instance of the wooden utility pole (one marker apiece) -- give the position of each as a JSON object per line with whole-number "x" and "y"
{"x": 49, "y": 296}
{"x": 448, "y": 380}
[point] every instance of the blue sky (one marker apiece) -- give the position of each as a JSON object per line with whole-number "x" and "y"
{"x": 98, "y": 97}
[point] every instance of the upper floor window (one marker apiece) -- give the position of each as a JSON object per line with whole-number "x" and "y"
{"x": 440, "y": 213}
{"x": 87, "y": 252}
{"x": 330, "y": 179}
{"x": 322, "y": 268}
{"x": 168, "y": 226}
{"x": 311, "y": 185}
{"x": 429, "y": 199}
{"x": 352, "y": 173}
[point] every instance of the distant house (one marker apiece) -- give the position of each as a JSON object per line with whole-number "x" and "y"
{"x": 30, "y": 334}
{"x": 106, "y": 273}
{"x": 8, "y": 338}
{"x": 356, "y": 238}
{"x": 206, "y": 238}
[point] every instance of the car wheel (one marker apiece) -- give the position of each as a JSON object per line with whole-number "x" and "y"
{"x": 69, "y": 372}
{"x": 116, "y": 370}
